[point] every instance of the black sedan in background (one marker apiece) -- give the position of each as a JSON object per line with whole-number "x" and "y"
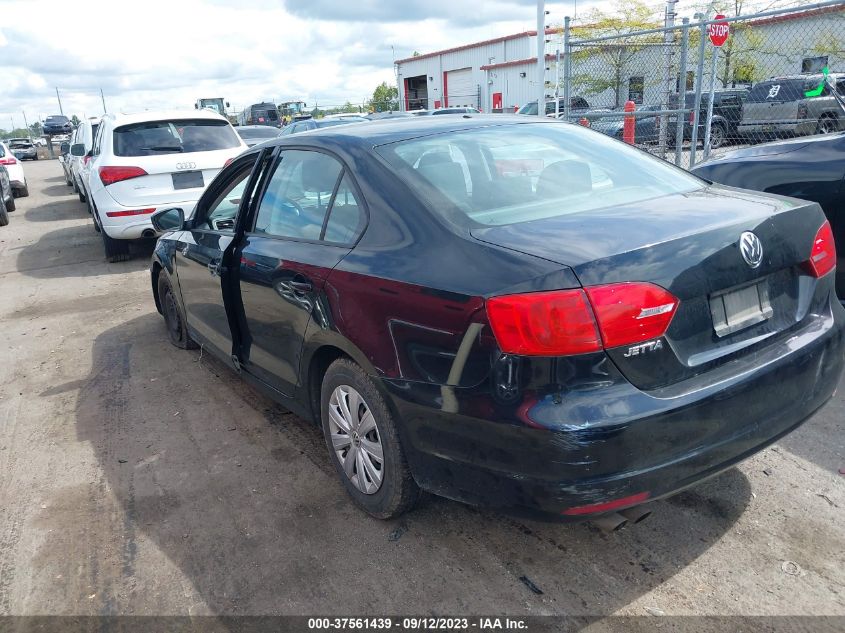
{"x": 57, "y": 124}
{"x": 505, "y": 311}
{"x": 810, "y": 168}
{"x": 255, "y": 134}
{"x": 316, "y": 124}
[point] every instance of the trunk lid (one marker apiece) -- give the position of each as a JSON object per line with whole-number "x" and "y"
{"x": 689, "y": 245}
{"x": 158, "y": 188}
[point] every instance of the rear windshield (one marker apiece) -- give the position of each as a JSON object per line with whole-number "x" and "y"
{"x": 331, "y": 122}
{"x": 20, "y": 144}
{"x": 260, "y": 132}
{"x": 777, "y": 90}
{"x": 518, "y": 173}
{"x": 167, "y": 137}
{"x": 528, "y": 108}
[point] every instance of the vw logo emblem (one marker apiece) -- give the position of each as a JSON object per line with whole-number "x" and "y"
{"x": 185, "y": 165}
{"x": 751, "y": 248}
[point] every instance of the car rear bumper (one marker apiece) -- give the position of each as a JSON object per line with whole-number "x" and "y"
{"x": 130, "y": 227}
{"x": 796, "y": 128}
{"x": 554, "y": 455}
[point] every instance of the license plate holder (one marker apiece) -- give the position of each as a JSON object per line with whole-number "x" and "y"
{"x": 187, "y": 180}
{"x": 740, "y": 307}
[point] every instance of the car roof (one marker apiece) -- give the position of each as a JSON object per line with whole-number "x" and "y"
{"x": 161, "y": 115}
{"x": 380, "y": 132}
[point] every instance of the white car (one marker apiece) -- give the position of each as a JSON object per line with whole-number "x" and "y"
{"x": 15, "y": 169}
{"x": 82, "y": 143}
{"x": 145, "y": 162}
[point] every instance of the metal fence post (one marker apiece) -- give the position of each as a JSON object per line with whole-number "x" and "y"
{"x": 709, "y": 119}
{"x": 682, "y": 91}
{"x": 699, "y": 77}
{"x": 567, "y": 68}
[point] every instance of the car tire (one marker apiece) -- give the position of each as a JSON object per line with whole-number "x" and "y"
{"x": 21, "y": 193}
{"x": 4, "y": 217}
{"x": 174, "y": 317}
{"x": 718, "y": 136}
{"x": 82, "y": 197}
{"x": 396, "y": 492}
{"x": 10, "y": 204}
{"x": 827, "y": 124}
{"x": 116, "y": 250}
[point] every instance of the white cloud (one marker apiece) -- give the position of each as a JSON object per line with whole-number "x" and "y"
{"x": 168, "y": 53}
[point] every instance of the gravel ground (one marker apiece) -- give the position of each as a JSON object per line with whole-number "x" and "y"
{"x": 136, "y": 478}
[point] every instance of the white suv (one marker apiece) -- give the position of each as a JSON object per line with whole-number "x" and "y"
{"x": 149, "y": 161}
{"x": 83, "y": 141}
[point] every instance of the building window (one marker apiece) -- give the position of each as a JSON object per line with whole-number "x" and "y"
{"x": 636, "y": 88}
{"x": 690, "y": 83}
{"x": 813, "y": 64}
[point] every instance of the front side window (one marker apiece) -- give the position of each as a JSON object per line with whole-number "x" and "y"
{"x": 298, "y": 195}
{"x": 222, "y": 212}
{"x": 153, "y": 138}
{"x": 519, "y": 173}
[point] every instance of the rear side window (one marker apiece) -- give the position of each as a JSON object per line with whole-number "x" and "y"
{"x": 152, "y": 138}
{"x": 346, "y": 218}
{"x": 777, "y": 90}
{"x": 298, "y": 195}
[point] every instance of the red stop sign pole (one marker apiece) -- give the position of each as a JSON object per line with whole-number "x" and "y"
{"x": 718, "y": 31}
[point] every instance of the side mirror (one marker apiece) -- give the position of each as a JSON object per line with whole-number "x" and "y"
{"x": 168, "y": 220}
{"x": 228, "y": 105}
{"x": 77, "y": 149}
{"x": 65, "y": 148}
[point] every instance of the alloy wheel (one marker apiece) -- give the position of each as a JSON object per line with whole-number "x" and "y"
{"x": 355, "y": 439}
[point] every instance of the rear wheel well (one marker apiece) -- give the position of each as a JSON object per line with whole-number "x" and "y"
{"x": 320, "y": 362}
{"x": 155, "y": 274}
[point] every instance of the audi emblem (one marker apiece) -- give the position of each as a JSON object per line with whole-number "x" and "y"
{"x": 751, "y": 248}
{"x": 186, "y": 165}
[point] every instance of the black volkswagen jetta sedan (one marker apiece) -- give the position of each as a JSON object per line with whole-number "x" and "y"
{"x": 516, "y": 313}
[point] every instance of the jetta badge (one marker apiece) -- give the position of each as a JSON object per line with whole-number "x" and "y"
{"x": 186, "y": 165}
{"x": 751, "y": 248}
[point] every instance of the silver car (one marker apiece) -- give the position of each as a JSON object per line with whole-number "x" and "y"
{"x": 793, "y": 106}
{"x": 23, "y": 149}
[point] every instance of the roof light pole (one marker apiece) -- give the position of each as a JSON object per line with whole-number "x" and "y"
{"x": 62, "y": 112}
{"x": 541, "y": 58}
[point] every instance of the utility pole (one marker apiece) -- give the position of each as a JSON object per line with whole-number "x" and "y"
{"x": 104, "y": 101}
{"x": 541, "y": 58}
{"x": 668, "y": 41}
{"x": 60, "y": 101}
{"x": 26, "y": 124}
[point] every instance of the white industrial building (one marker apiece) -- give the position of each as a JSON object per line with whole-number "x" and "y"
{"x": 501, "y": 74}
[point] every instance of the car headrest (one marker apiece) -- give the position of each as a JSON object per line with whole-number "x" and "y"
{"x": 319, "y": 175}
{"x": 564, "y": 178}
{"x": 448, "y": 177}
{"x": 434, "y": 158}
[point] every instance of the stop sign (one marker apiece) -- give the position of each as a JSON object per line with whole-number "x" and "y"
{"x": 718, "y": 32}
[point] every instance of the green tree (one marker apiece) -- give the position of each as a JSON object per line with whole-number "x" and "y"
{"x": 626, "y": 16}
{"x": 35, "y": 129}
{"x": 385, "y": 98}
{"x": 75, "y": 120}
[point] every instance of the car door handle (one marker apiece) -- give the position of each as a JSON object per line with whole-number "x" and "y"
{"x": 301, "y": 286}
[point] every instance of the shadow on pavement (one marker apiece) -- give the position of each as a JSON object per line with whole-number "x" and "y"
{"x": 240, "y": 495}
{"x": 56, "y": 253}
{"x": 59, "y": 210}
{"x": 56, "y": 191}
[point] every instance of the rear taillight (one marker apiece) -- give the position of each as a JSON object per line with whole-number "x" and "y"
{"x": 11, "y": 160}
{"x": 802, "y": 111}
{"x": 823, "y": 255}
{"x": 631, "y": 312}
{"x": 85, "y": 159}
{"x": 567, "y": 322}
{"x": 111, "y": 175}
{"x": 128, "y": 212}
{"x": 691, "y": 118}
{"x": 557, "y": 323}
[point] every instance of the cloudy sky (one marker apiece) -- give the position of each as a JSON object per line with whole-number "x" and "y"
{"x": 156, "y": 53}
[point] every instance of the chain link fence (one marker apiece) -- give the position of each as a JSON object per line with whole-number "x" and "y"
{"x": 778, "y": 74}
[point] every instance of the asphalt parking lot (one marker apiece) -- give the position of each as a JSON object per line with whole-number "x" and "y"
{"x": 136, "y": 478}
